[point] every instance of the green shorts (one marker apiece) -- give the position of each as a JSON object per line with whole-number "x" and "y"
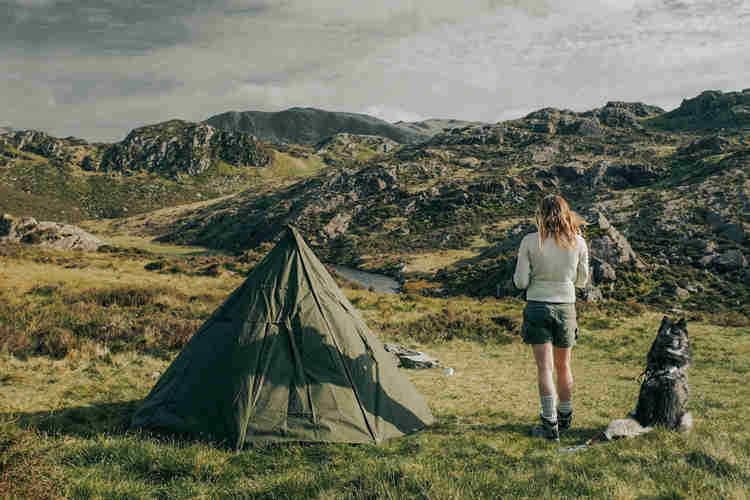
{"x": 550, "y": 322}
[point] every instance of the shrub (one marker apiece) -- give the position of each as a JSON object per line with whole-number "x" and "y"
{"x": 123, "y": 296}
{"x": 57, "y": 342}
{"x": 450, "y": 324}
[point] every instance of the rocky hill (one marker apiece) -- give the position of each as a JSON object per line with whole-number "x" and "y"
{"x": 170, "y": 149}
{"x": 310, "y": 125}
{"x": 177, "y": 148}
{"x": 667, "y": 210}
{"x": 68, "y": 179}
{"x": 69, "y": 150}
{"x": 435, "y": 126}
{"x": 343, "y": 148}
{"x": 711, "y": 110}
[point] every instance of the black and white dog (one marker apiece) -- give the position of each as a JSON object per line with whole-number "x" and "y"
{"x": 664, "y": 385}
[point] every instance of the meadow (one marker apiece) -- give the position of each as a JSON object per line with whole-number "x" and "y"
{"x": 84, "y": 336}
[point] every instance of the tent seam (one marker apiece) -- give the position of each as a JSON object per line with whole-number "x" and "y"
{"x": 338, "y": 349}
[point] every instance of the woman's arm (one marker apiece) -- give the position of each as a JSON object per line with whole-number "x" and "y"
{"x": 523, "y": 269}
{"x": 582, "y": 272}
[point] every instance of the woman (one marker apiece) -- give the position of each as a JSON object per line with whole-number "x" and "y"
{"x": 551, "y": 264}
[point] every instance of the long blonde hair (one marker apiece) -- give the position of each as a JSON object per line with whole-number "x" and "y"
{"x": 554, "y": 218}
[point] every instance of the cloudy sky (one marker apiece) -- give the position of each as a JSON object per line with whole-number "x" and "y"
{"x": 98, "y": 68}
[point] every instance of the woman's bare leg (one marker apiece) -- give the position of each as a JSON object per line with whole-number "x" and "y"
{"x": 564, "y": 372}
{"x": 544, "y": 364}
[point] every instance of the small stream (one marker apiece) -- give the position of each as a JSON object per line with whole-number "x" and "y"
{"x": 379, "y": 282}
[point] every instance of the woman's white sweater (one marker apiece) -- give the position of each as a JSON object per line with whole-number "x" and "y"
{"x": 552, "y": 273}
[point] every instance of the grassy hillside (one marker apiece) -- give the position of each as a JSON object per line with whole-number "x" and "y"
{"x": 83, "y": 337}
{"x": 32, "y": 185}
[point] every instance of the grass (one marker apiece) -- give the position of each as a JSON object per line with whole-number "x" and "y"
{"x": 286, "y": 166}
{"x": 64, "y": 415}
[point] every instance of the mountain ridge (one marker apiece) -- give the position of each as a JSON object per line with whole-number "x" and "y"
{"x": 310, "y": 125}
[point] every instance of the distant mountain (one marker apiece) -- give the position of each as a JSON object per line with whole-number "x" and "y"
{"x": 711, "y": 109}
{"x": 435, "y": 126}
{"x": 5, "y": 129}
{"x": 310, "y": 125}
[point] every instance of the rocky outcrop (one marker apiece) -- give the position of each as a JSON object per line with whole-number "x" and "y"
{"x": 626, "y": 115}
{"x": 628, "y": 175}
{"x": 611, "y": 118}
{"x": 310, "y": 125}
{"x": 67, "y": 150}
{"x": 435, "y": 126}
{"x": 731, "y": 260}
{"x": 182, "y": 148}
{"x": 486, "y": 135}
{"x": 710, "y": 110}
{"x": 47, "y": 234}
{"x": 714, "y": 144}
{"x": 338, "y": 225}
{"x": 584, "y": 127}
{"x": 610, "y": 246}
{"x": 353, "y": 146}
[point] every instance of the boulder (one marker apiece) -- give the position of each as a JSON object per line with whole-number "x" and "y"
{"x": 731, "y": 260}
{"x": 612, "y": 247}
{"x": 47, "y": 234}
{"x": 714, "y": 144}
{"x": 338, "y": 225}
{"x": 602, "y": 271}
{"x": 407, "y": 358}
{"x": 596, "y": 174}
{"x": 707, "y": 260}
{"x": 617, "y": 116}
{"x": 569, "y": 172}
{"x": 591, "y": 293}
{"x": 701, "y": 246}
{"x": 713, "y": 219}
{"x": 587, "y": 127}
{"x": 631, "y": 175}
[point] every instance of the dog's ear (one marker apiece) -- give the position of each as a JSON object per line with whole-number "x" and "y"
{"x": 664, "y": 322}
{"x": 681, "y": 323}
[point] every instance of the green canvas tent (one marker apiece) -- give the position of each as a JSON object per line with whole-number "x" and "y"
{"x": 285, "y": 358}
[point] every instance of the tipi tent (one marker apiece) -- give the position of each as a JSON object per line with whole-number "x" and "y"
{"x": 285, "y": 358}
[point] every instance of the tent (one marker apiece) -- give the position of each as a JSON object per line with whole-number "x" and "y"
{"x": 285, "y": 358}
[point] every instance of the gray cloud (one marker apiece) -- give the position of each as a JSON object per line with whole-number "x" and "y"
{"x": 99, "y": 69}
{"x": 97, "y": 25}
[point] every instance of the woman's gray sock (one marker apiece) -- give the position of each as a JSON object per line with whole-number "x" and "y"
{"x": 548, "y": 408}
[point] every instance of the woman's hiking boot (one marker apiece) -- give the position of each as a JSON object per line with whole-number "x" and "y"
{"x": 548, "y": 429}
{"x": 564, "y": 421}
